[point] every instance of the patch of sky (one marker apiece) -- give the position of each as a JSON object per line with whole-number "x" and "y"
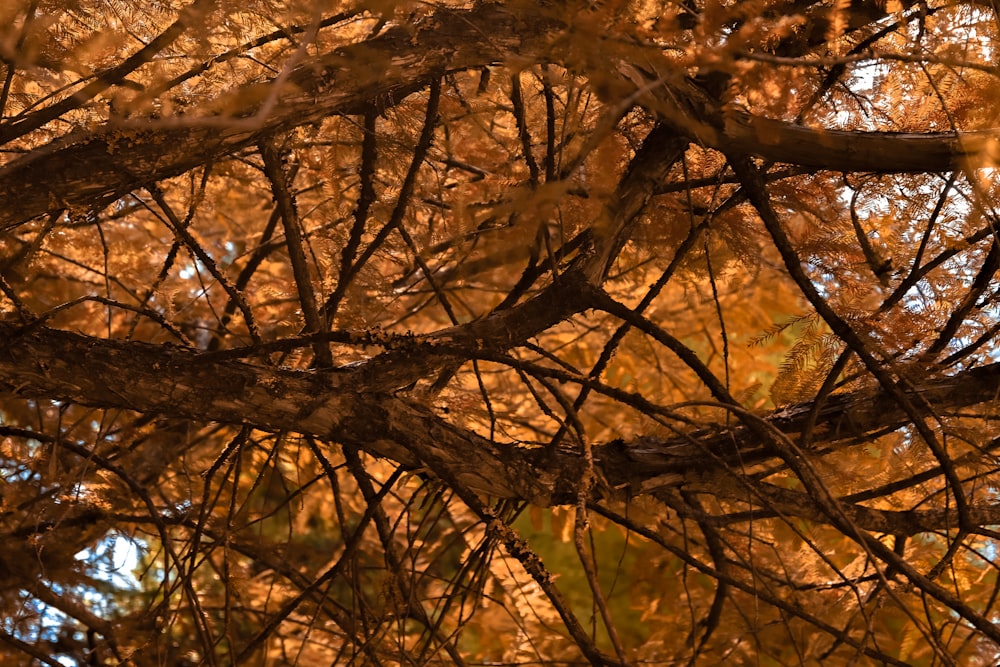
{"x": 232, "y": 253}
{"x": 923, "y": 295}
{"x": 111, "y": 564}
{"x": 189, "y": 271}
{"x": 114, "y": 560}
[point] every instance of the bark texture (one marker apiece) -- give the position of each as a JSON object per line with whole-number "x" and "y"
{"x": 90, "y": 169}
{"x": 353, "y": 406}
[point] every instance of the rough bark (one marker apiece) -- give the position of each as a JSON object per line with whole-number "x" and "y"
{"x": 841, "y": 150}
{"x": 88, "y": 169}
{"x": 343, "y": 406}
{"x": 93, "y": 168}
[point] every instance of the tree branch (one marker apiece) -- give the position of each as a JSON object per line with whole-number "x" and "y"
{"x": 92, "y": 169}
{"x": 342, "y": 406}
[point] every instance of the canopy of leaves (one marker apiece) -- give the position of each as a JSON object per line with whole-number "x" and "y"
{"x": 626, "y": 332}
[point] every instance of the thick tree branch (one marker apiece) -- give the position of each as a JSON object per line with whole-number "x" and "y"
{"x": 334, "y": 405}
{"x": 890, "y": 522}
{"x": 87, "y": 169}
{"x": 342, "y": 406}
{"x": 846, "y": 150}
{"x": 91, "y": 169}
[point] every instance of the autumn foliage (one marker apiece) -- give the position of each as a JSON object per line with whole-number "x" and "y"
{"x": 499, "y": 333}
